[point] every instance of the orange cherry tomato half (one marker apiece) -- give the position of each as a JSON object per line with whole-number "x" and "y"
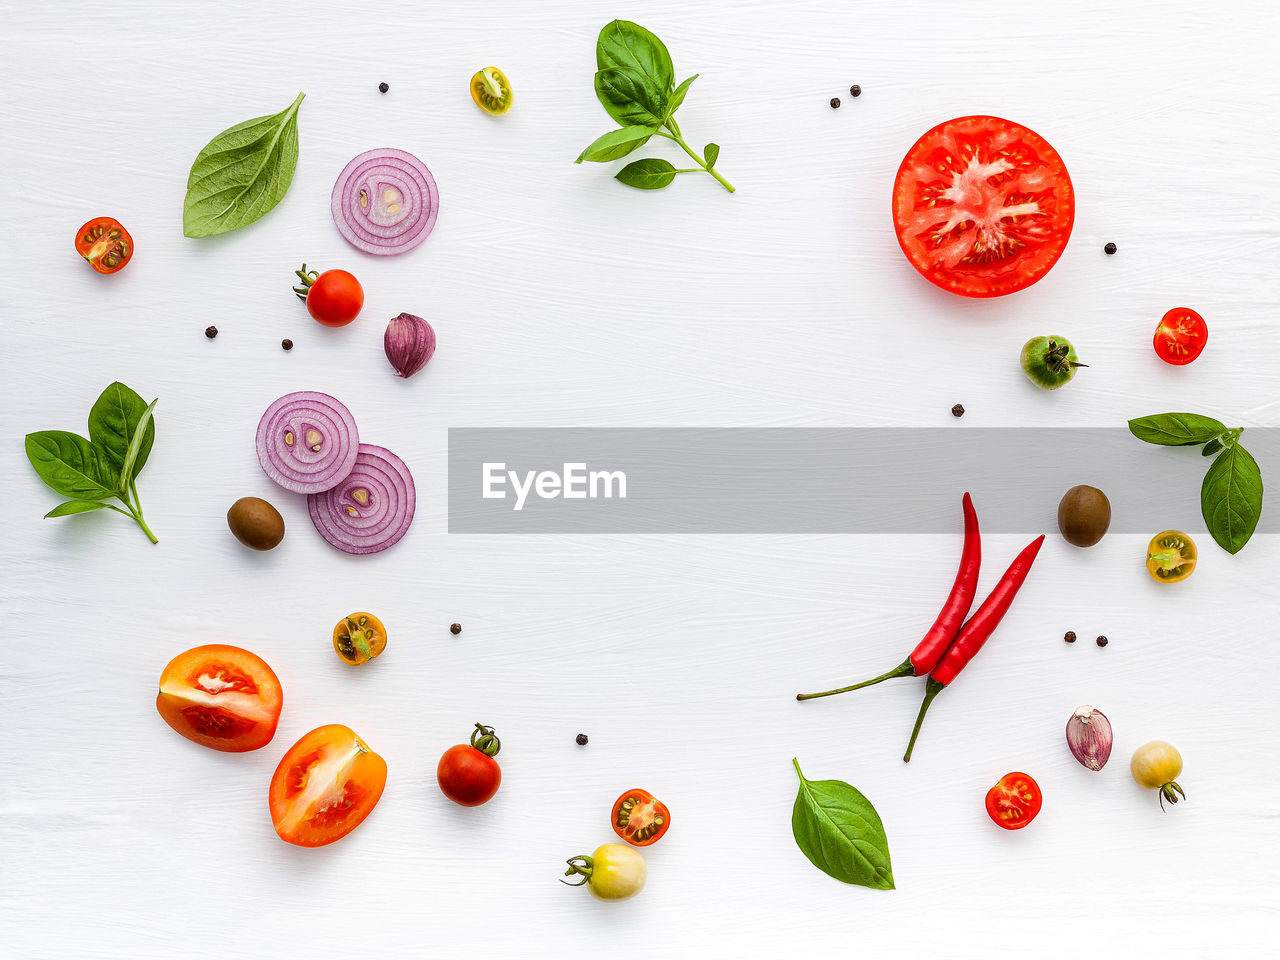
{"x": 1180, "y": 336}
{"x": 639, "y": 818}
{"x": 982, "y": 206}
{"x": 1014, "y": 801}
{"x": 325, "y": 786}
{"x": 221, "y": 697}
{"x": 105, "y": 244}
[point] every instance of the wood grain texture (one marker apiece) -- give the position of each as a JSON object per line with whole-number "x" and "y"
{"x": 562, "y": 298}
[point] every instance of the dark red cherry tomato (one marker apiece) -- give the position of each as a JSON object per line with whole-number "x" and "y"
{"x": 467, "y": 773}
{"x": 333, "y": 298}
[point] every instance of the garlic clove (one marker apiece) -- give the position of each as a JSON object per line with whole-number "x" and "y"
{"x": 1089, "y": 737}
{"x": 409, "y": 343}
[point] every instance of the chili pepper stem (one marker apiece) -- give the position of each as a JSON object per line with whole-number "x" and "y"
{"x": 904, "y": 669}
{"x": 931, "y": 690}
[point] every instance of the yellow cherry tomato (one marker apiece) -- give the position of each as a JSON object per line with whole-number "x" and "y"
{"x": 1155, "y": 765}
{"x": 614, "y": 872}
{"x": 491, "y": 91}
{"x": 1171, "y": 556}
{"x": 359, "y": 638}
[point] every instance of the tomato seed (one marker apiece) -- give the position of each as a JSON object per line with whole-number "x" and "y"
{"x": 855, "y": 91}
{"x": 1102, "y": 641}
{"x": 835, "y": 102}
{"x": 383, "y": 87}
{"x": 210, "y": 332}
{"x": 455, "y": 628}
{"x": 581, "y": 739}
{"x": 1069, "y": 636}
{"x": 1109, "y": 249}
{"x": 957, "y": 411}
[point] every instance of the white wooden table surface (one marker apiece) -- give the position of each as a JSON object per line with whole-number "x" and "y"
{"x": 563, "y": 298}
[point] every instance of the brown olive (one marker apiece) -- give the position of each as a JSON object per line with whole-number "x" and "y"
{"x": 1084, "y": 513}
{"x": 256, "y": 523}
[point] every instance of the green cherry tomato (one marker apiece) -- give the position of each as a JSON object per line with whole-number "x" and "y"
{"x": 1155, "y": 765}
{"x": 614, "y": 872}
{"x": 1049, "y": 362}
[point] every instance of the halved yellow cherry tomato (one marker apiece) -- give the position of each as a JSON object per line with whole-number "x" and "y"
{"x": 359, "y": 638}
{"x": 1171, "y": 556}
{"x": 491, "y": 91}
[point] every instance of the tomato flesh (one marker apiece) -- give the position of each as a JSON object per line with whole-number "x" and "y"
{"x": 105, "y": 244}
{"x": 1014, "y": 801}
{"x": 640, "y": 818}
{"x": 982, "y": 206}
{"x": 325, "y": 786}
{"x": 221, "y": 697}
{"x": 1180, "y": 336}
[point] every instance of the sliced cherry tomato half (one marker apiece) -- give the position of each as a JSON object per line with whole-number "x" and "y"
{"x": 359, "y": 638}
{"x": 105, "y": 244}
{"x": 221, "y": 697}
{"x": 1171, "y": 557}
{"x": 982, "y": 206}
{"x": 1180, "y": 336}
{"x": 491, "y": 91}
{"x": 325, "y": 786}
{"x": 1014, "y": 801}
{"x": 639, "y": 818}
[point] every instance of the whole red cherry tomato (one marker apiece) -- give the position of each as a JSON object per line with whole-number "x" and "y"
{"x": 467, "y": 773}
{"x": 1180, "y": 336}
{"x": 1014, "y": 801}
{"x": 333, "y": 298}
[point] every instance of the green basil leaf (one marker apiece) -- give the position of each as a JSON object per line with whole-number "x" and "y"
{"x": 711, "y": 153}
{"x": 677, "y": 98}
{"x": 135, "y": 445}
{"x": 1176, "y": 429}
{"x": 114, "y": 420}
{"x": 72, "y": 465}
{"x": 616, "y": 144}
{"x": 650, "y": 173}
{"x": 242, "y": 173}
{"x": 630, "y": 100}
{"x": 627, "y": 46}
{"x": 838, "y": 829}
{"x": 75, "y": 506}
{"x": 1210, "y": 448}
{"x": 1231, "y": 498}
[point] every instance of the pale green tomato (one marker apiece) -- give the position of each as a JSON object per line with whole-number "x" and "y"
{"x": 1156, "y": 765}
{"x": 614, "y": 872}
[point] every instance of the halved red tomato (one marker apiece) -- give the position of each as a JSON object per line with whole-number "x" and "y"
{"x": 325, "y": 786}
{"x": 1180, "y": 336}
{"x": 982, "y": 206}
{"x": 639, "y": 818}
{"x": 221, "y": 697}
{"x": 105, "y": 244}
{"x": 1014, "y": 801}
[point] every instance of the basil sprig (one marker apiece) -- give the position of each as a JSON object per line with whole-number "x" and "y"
{"x": 838, "y": 829}
{"x": 1231, "y": 494}
{"x": 242, "y": 173}
{"x": 635, "y": 83}
{"x": 104, "y": 467}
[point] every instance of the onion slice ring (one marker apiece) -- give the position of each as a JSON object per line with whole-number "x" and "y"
{"x": 307, "y": 441}
{"x": 371, "y": 508}
{"x": 385, "y": 202}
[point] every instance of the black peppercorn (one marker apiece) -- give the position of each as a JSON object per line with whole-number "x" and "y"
{"x": 835, "y": 102}
{"x": 383, "y": 87}
{"x": 1109, "y": 249}
{"x": 1102, "y": 641}
{"x": 455, "y": 628}
{"x": 855, "y": 91}
{"x": 1069, "y": 636}
{"x": 957, "y": 411}
{"x": 286, "y": 344}
{"x": 210, "y": 332}
{"x": 582, "y": 739}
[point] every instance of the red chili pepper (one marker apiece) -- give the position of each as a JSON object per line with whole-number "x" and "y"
{"x": 930, "y": 650}
{"x": 976, "y": 632}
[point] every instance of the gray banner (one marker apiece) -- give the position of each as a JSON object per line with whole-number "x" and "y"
{"x": 819, "y": 480}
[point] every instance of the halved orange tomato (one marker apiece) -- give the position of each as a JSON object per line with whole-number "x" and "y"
{"x": 105, "y": 244}
{"x": 325, "y": 786}
{"x": 221, "y": 697}
{"x": 639, "y": 818}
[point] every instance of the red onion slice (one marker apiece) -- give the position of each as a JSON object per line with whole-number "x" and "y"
{"x": 307, "y": 441}
{"x": 385, "y": 202}
{"x": 371, "y": 508}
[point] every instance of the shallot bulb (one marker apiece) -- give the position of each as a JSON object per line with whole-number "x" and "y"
{"x": 1089, "y": 737}
{"x": 409, "y": 343}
